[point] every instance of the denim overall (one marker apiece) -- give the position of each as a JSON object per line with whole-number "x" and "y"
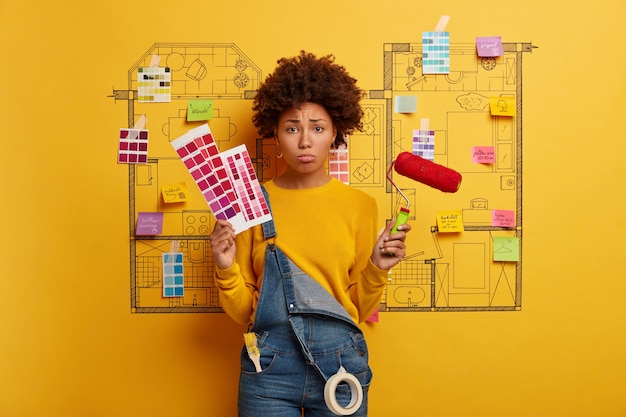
{"x": 304, "y": 337}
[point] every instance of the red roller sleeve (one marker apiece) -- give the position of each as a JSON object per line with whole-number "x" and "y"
{"x": 427, "y": 172}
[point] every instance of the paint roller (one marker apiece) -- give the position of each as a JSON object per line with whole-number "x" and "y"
{"x": 426, "y": 172}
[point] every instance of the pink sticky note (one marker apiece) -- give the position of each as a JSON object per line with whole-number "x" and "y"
{"x": 503, "y": 218}
{"x": 149, "y": 224}
{"x": 483, "y": 155}
{"x": 373, "y": 318}
{"x": 489, "y": 46}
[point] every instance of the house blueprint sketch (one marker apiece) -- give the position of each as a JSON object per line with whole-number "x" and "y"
{"x": 441, "y": 271}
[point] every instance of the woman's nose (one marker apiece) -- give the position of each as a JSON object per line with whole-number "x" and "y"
{"x": 305, "y": 140}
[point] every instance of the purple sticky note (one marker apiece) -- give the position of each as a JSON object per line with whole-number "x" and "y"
{"x": 149, "y": 224}
{"x": 489, "y": 46}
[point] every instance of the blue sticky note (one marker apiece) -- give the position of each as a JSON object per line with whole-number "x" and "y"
{"x": 405, "y": 104}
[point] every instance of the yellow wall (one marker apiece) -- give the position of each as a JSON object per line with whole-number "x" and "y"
{"x": 71, "y": 347}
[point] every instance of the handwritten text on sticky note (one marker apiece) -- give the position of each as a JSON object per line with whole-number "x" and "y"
{"x": 174, "y": 193}
{"x": 450, "y": 221}
{"x": 503, "y": 218}
{"x": 149, "y": 224}
{"x": 198, "y": 110}
{"x": 489, "y": 46}
{"x": 483, "y": 155}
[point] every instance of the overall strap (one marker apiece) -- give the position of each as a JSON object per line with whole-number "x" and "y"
{"x": 269, "y": 230}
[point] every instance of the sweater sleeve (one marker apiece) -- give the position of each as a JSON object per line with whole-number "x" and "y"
{"x": 237, "y": 285}
{"x": 368, "y": 281}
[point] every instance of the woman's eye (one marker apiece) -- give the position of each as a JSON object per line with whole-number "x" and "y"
{"x": 319, "y": 129}
{"x": 292, "y": 129}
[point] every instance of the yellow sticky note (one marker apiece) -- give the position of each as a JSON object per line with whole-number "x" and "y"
{"x": 199, "y": 110}
{"x": 502, "y": 106}
{"x": 450, "y": 221}
{"x": 174, "y": 193}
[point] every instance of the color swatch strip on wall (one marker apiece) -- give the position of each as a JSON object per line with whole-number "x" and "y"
{"x": 338, "y": 165}
{"x": 173, "y": 279}
{"x": 133, "y": 146}
{"x": 424, "y": 144}
{"x": 227, "y": 181}
{"x": 435, "y": 52}
{"x": 154, "y": 85}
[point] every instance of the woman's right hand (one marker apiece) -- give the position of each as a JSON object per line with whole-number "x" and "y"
{"x": 223, "y": 244}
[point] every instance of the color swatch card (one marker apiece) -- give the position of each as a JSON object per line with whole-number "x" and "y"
{"x": 435, "y": 52}
{"x": 338, "y": 166}
{"x": 173, "y": 278}
{"x": 133, "y": 146}
{"x": 227, "y": 181}
{"x": 154, "y": 85}
{"x": 247, "y": 188}
{"x": 424, "y": 144}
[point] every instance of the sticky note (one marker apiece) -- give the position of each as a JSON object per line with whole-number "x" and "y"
{"x": 149, "y": 224}
{"x": 405, "y": 104}
{"x": 503, "y": 218}
{"x": 502, "y": 106}
{"x": 198, "y": 110}
{"x": 506, "y": 249}
{"x": 483, "y": 155}
{"x": 174, "y": 193}
{"x": 489, "y": 46}
{"x": 450, "y": 221}
{"x": 374, "y": 318}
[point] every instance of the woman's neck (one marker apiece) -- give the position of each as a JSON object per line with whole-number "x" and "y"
{"x": 294, "y": 182}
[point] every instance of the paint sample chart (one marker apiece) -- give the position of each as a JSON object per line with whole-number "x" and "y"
{"x": 226, "y": 180}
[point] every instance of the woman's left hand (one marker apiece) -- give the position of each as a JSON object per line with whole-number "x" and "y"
{"x": 390, "y": 248}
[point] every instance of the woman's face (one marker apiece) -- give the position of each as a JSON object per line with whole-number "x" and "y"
{"x": 305, "y": 136}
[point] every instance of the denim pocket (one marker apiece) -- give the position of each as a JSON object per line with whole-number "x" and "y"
{"x": 355, "y": 360}
{"x": 268, "y": 357}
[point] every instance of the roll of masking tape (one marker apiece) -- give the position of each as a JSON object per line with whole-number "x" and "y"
{"x": 330, "y": 393}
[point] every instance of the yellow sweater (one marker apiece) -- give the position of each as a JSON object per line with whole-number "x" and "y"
{"x": 329, "y": 232}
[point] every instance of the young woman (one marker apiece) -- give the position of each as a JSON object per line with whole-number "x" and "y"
{"x": 306, "y": 279}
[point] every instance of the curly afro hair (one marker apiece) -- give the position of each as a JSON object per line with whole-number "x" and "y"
{"x": 306, "y": 78}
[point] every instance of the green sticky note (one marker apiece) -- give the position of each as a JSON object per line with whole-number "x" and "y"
{"x": 405, "y": 104}
{"x": 199, "y": 110}
{"x": 506, "y": 249}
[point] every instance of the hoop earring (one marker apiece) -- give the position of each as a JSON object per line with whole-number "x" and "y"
{"x": 278, "y": 155}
